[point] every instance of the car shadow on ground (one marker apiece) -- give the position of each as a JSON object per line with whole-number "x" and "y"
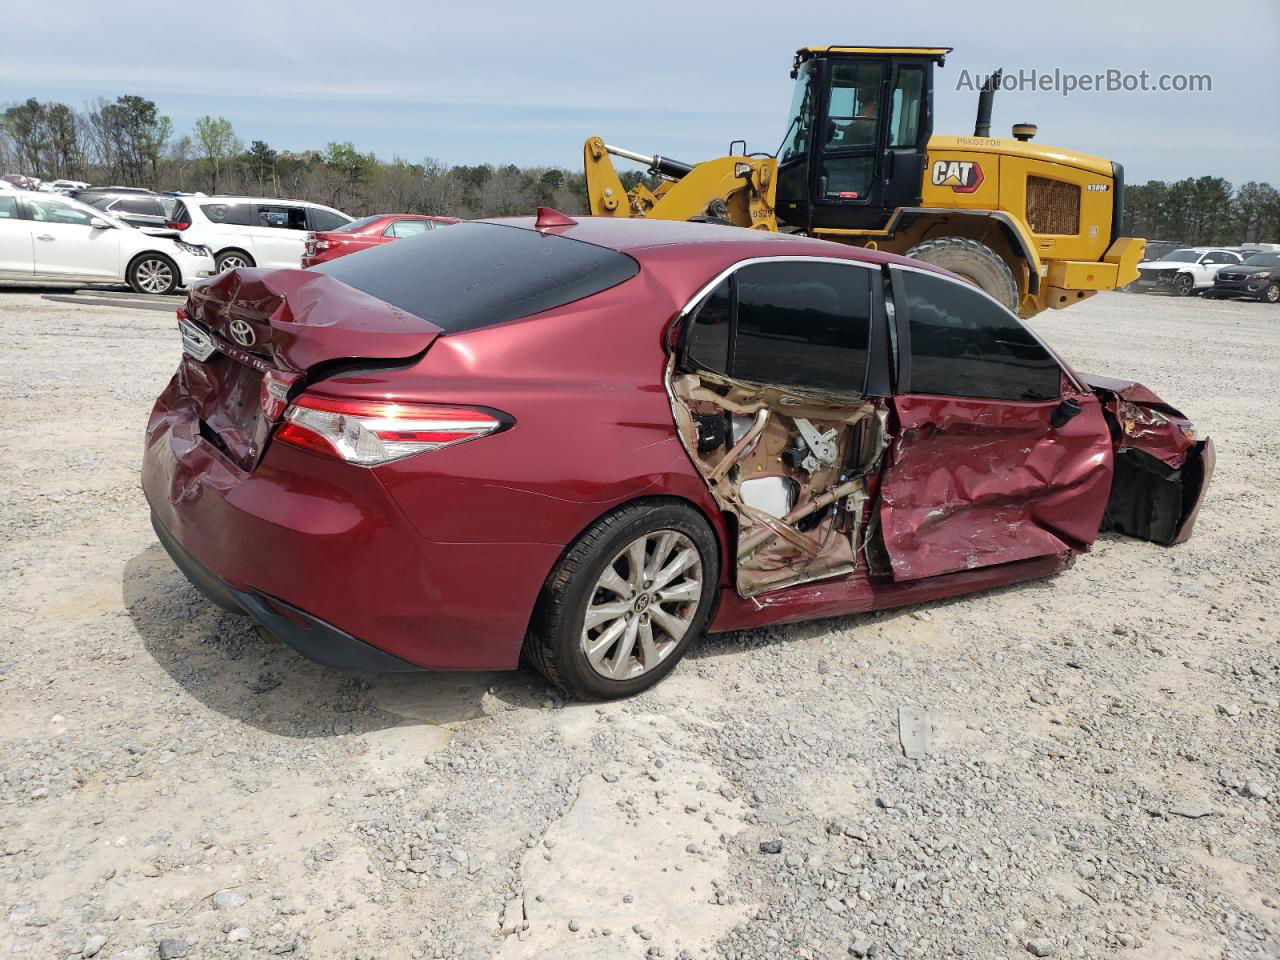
{"x": 228, "y": 665}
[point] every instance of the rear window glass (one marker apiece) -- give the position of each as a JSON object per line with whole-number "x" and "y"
{"x": 481, "y": 274}
{"x": 355, "y": 225}
{"x": 326, "y": 219}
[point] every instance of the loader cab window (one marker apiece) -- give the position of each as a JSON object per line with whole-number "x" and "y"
{"x": 850, "y": 131}
{"x": 796, "y": 142}
{"x": 905, "y": 104}
{"x": 853, "y": 107}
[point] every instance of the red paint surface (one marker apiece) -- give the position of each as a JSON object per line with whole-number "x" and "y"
{"x": 1144, "y": 421}
{"x": 974, "y": 483}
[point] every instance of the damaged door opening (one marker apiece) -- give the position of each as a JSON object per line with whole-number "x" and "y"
{"x": 768, "y": 399}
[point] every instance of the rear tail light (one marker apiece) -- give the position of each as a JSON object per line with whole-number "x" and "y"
{"x": 177, "y": 224}
{"x": 372, "y": 432}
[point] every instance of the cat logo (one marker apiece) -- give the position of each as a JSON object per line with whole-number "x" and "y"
{"x": 962, "y": 176}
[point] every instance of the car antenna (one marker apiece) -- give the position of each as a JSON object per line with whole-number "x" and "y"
{"x": 550, "y": 217}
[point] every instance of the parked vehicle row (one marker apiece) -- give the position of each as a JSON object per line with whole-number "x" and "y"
{"x": 1191, "y": 270}
{"x": 48, "y": 237}
{"x": 237, "y": 231}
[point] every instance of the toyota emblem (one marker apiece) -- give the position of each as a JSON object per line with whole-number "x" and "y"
{"x": 242, "y": 333}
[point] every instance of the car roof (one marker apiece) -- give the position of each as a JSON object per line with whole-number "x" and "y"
{"x": 81, "y": 206}
{"x": 299, "y": 203}
{"x": 636, "y": 235}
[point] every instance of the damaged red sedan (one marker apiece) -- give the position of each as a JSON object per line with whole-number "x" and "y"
{"x": 590, "y": 442}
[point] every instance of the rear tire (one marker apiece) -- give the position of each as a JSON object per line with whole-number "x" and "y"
{"x": 230, "y": 259}
{"x": 975, "y": 262}
{"x": 153, "y": 273}
{"x": 637, "y": 609}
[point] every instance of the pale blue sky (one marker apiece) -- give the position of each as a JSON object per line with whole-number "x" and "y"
{"x": 528, "y": 82}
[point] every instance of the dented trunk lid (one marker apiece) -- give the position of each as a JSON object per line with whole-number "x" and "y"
{"x": 252, "y": 338}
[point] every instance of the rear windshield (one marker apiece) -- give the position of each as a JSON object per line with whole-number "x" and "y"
{"x": 480, "y": 274}
{"x": 355, "y": 225}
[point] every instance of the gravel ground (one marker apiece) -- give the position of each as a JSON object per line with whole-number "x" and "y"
{"x": 1103, "y": 778}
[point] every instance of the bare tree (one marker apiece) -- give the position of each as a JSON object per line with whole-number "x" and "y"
{"x": 217, "y": 141}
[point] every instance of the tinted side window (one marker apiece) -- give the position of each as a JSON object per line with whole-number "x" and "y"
{"x": 326, "y": 220}
{"x": 240, "y": 214}
{"x": 285, "y": 218}
{"x": 8, "y": 207}
{"x": 803, "y": 324}
{"x": 963, "y": 344}
{"x": 707, "y": 347}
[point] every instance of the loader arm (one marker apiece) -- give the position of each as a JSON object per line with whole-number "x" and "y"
{"x": 740, "y": 190}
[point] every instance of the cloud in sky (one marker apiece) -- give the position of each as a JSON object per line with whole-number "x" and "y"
{"x": 527, "y": 83}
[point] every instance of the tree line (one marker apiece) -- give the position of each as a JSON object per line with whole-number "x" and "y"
{"x": 128, "y": 142}
{"x": 1203, "y": 211}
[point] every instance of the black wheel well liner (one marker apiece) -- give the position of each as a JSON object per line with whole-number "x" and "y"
{"x": 905, "y": 215}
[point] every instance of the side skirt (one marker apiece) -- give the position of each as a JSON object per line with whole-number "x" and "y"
{"x": 858, "y": 594}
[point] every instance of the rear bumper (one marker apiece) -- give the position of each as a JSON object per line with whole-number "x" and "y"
{"x": 310, "y": 636}
{"x": 320, "y": 545}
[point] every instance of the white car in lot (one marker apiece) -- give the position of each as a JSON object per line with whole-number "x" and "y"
{"x": 1183, "y": 272}
{"x": 51, "y": 238}
{"x": 253, "y": 231}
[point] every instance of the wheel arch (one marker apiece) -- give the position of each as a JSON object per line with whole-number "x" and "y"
{"x": 721, "y": 524}
{"x": 235, "y": 248}
{"x": 973, "y": 223}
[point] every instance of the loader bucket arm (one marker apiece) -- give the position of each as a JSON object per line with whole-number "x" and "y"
{"x": 740, "y": 190}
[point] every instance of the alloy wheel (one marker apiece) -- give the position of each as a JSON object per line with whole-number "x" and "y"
{"x": 233, "y": 261}
{"x": 642, "y": 605}
{"x": 1272, "y": 293}
{"x": 1186, "y": 283}
{"x": 154, "y": 276}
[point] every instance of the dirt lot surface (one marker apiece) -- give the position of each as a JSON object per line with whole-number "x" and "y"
{"x": 1104, "y": 778}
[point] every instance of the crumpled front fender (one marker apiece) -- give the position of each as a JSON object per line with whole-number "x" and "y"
{"x": 1162, "y": 468}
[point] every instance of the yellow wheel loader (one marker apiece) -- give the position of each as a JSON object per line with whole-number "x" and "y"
{"x": 1034, "y": 226}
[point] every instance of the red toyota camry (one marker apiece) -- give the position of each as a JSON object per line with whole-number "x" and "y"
{"x": 326, "y": 245}
{"x": 593, "y": 441}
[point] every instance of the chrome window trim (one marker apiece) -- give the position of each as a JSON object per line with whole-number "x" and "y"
{"x": 705, "y": 290}
{"x": 1066, "y": 371}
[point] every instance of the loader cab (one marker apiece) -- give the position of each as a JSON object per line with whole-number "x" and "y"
{"x": 855, "y": 147}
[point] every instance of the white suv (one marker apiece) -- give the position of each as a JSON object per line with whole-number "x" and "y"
{"x": 1185, "y": 271}
{"x": 252, "y": 231}
{"x": 56, "y": 239}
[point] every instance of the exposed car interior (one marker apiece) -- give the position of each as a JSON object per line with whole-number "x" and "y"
{"x": 772, "y": 412}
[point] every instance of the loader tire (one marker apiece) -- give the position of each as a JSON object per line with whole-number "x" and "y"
{"x": 975, "y": 262}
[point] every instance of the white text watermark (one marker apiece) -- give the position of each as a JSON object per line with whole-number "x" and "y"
{"x": 1065, "y": 83}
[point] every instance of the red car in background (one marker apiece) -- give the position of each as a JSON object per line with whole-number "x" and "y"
{"x": 593, "y": 441}
{"x": 321, "y": 247}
